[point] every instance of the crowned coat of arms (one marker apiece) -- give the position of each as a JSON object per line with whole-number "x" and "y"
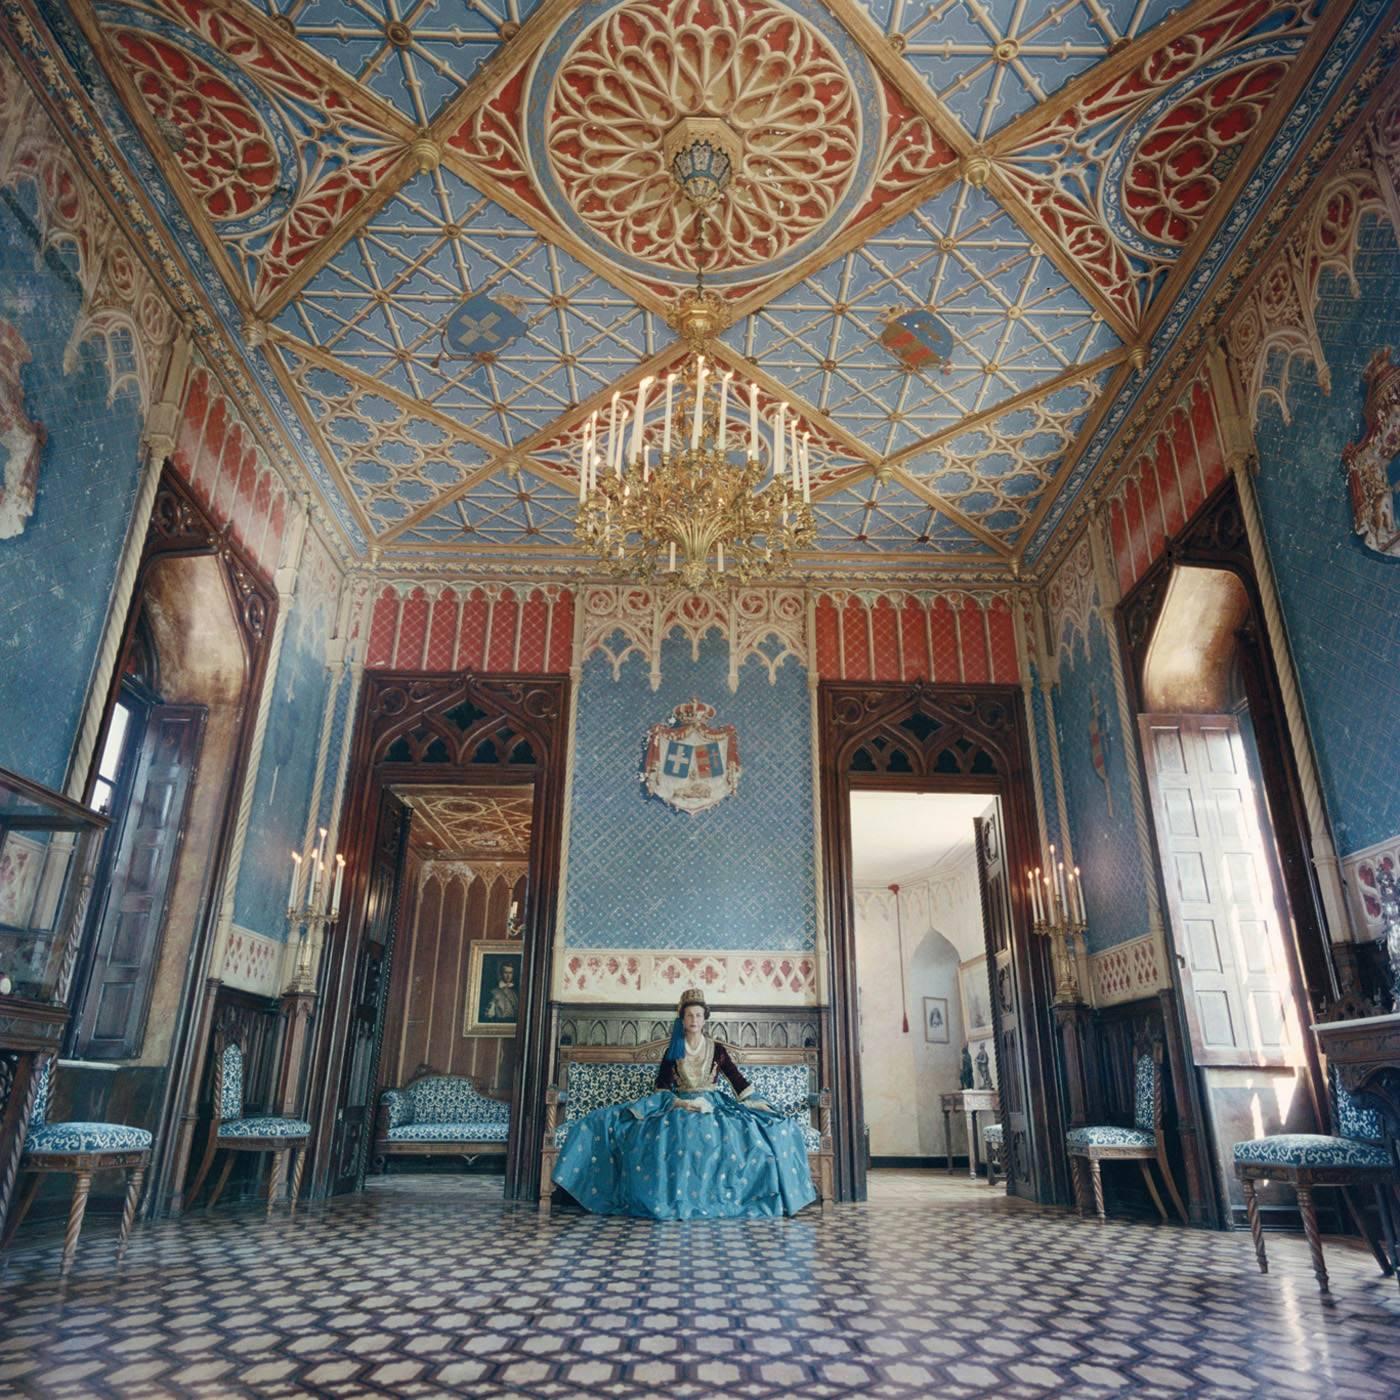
{"x": 692, "y": 763}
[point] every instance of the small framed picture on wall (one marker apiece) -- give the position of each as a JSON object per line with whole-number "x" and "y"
{"x": 936, "y": 1020}
{"x": 493, "y": 988}
{"x": 976, "y": 998}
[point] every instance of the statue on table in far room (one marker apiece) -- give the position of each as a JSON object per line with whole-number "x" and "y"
{"x": 965, "y": 1074}
{"x": 1388, "y": 887}
{"x": 984, "y": 1068}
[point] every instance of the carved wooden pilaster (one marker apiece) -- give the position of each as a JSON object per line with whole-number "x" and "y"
{"x": 1074, "y": 1020}
{"x": 298, "y": 1008}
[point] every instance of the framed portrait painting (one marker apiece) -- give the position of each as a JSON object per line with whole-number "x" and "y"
{"x": 493, "y": 988}
{"x": 936, "y": 1020}
{"x": 976, "y": 998}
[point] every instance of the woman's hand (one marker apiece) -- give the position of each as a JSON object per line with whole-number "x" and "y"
{"x": 759, "y": 1103}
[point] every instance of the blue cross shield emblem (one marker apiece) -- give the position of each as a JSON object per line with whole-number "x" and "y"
{"x": 919, "y": 341}
{"x": 479, "y": 326}
{"x": 690, "y": 763}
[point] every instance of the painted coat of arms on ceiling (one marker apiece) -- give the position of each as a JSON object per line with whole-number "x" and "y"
{"x": 1372, "y": 465}
{"x": 691, "y": 764}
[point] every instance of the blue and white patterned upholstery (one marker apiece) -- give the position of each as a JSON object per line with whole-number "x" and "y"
{"x": 450, "y": 1098}
{"x": 85, "y": 1137}
{"x": 265, "y": 1127}
{"x": 231, "y": 1083}
{"x": 992, "y": 1135}
{"x": 1309, "y": 1150}
{"x": 1106, "y": 1136}
{"x": 591, "y": 1086}
{"x": 1145, "y": 1098}
{"x": 451, "y": 1132}
{"x": 1353, "y": 1121}
{"x": 398, "y": 1107}
{"x": 42, "y": 1094}
{"x": 785, "y": 1088}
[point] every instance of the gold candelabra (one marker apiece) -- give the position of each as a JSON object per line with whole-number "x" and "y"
{"x": 1057, "y": 911}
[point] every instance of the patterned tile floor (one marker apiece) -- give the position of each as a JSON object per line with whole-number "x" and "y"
{"x": 936, "y": 1287}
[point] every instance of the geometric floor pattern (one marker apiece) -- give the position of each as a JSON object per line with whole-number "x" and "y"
{"x": 430, "y": 1285}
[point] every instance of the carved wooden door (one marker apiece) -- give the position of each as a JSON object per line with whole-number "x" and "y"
{"x": 127, "y": 946}
{"x": 1226, "y": 915}
{"x": 355, "y": 1116}
{"x": 1006, "y": 1003}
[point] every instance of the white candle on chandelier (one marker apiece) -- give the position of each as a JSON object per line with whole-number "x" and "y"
{"x": 612, "y": 427}
{"x": 671, "y": 565}
{"x": 724, "y": 408}
{"x": 586, "y": 456}
{"x": 753, "y": 421}
{"x": 639, "y": 418}
{"x": 720, "y": 548}
{"x": 339, "y": 880}
{"x": 778, "y": 441}
{"x": 666, "y": 432}
{"x": 796, "y": 455}
{"x": 296, "y": 880}
{"x": 699, "y": 418}
{"x": 807, "y": 468}
{"x": 646, "y": 461}
{"x": 621, "y": 437}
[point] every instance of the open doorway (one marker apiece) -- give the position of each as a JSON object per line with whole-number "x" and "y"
{"x": 458, "y": 964}
{"x": 923, "y": 987}
{"x": 1232, "y": 927}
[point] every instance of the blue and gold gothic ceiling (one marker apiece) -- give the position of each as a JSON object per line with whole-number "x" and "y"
{"x": 445, "y": 232}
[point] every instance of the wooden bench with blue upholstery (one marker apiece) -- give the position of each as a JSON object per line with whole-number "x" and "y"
{"x": 440, "y": 1115}
{"x": 596, "y": 1076}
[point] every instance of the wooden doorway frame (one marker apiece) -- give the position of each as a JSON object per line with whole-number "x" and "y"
{"x": 416, "y": 728}
{"x": 983, "y": 748}
{"x": 1215, "y": 538}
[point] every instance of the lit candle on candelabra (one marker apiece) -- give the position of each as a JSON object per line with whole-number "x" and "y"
{"x": 1079, "y": 896}
{"x": 639, "y": 418}
{"x": 339, "y": 880}
{"x": 296, "y": 880}
{"x": 698, "y": 418}
{"x": 316, "y": 870}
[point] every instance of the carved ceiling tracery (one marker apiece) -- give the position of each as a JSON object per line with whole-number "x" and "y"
{"x": 1039, "y": 180}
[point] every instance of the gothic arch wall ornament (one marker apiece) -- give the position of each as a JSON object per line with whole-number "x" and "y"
{"x": 1370, "y": 462}
{"x": 933, "y": 738}
{"x": 414, "y": 730}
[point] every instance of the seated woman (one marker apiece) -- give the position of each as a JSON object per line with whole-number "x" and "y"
{"x": 688, "y": 1150}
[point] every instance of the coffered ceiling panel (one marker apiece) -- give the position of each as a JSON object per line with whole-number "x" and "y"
{"x": 446, "y": 232}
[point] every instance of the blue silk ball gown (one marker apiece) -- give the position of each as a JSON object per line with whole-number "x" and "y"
{"x": 650, "y": 1158}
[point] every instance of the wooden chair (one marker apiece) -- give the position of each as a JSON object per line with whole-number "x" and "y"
{"x": 1355, "y": 1156}
{"x": 994, "y": 1140}
{"x": 231, "y": 1132}
{"x": 1143, "y": 1143}
{"x": 82, "y": 1149}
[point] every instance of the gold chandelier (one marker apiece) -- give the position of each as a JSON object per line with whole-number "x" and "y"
{"x": 709, "y": 511}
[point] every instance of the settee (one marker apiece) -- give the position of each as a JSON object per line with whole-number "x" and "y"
{"x": 440, "y": 1115}
{"x": 594, "y": 1076}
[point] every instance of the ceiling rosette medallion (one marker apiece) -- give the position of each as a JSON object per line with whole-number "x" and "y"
{"x": 797, "y": 93}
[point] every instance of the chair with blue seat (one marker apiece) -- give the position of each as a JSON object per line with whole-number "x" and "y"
{"x": 231, "y": 1132}
{"x": 1356, "y": 1155}
{"x": 994, "y": 1140}
{"x": 1143, "y": 1143}
{"x": 81, "y": 1148}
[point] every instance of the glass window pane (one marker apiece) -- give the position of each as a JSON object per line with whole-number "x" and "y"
{"x": 116, "y": 739}
{"x": 102, "y": 797}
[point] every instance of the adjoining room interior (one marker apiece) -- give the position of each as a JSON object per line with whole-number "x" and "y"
{"x": 456, "y": 970}
{"x": 921, "y": 969}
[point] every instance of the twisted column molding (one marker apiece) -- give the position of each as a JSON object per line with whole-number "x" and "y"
{"x": 1027, "y": 654}
{"x": 814, "y": 748}
{"x": 1242, "y": 461}
{"x": 9, "y": 1170}
{"x": 1107, "y": 582}
{"x": 286, "y": 580}
{"x": 566, "y": 817}
{"x": 157, "y": 443}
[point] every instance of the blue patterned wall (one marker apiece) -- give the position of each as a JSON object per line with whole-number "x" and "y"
{"x": 1100, "y": 814}
{"x": 282, "y": 795}
{"x": 739, "y": 876}
{"x": 1341, "y": 601}
{"x": 56, "y": 576}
